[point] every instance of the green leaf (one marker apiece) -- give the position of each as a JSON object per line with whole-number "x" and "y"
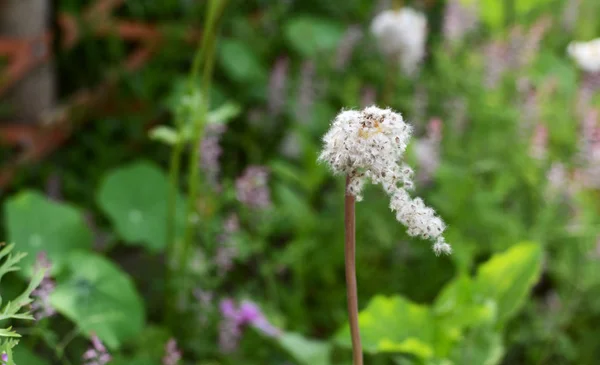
{"x": 135, "y": 199}
{"x": 100, "y": 299}
{"x": 306, "y": 351}
{"x": 164, "y": 134}
{"x": 309, "y": 36}
{"x": 482, "y": 346}
{"x": 394, "y": 324}
{"x": 23, "y": 355}
{"x": 240, "y": 61}
{"x": 457, "y": 309}
{"x": 509, "y": 276}
{"x": 37, "y": 224}
{"x": 224, "y": 113}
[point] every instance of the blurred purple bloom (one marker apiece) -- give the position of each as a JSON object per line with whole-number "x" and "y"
{"x": 231, "y": 224}
{"x": 348, "y": 43}
{"x": 172, "y": 353}
{"x": 306, "y": 92}
{"x": 589, "y": 153}
{"x": 252, "y": 187}
{"x": 427, "y": 151}
{"x": 205, "y": 300}
{"x": 4, "y": 358}
{"x": 54, "y": 187}
{"x": 278, "y": 85}
{"x": 227, "y": 250}
{"x": 368, "y": 96}
{"x": 459, "y": 19}
{"x": 539, "y": 142}
{"x": 224, "y": 258}
{"x": 235, "y": 319}
{"x": 41, "y": 307}
{"x": 97, "y": 353}
{"x": 518, "y": 51}
{"x": 570, "y": 14}
{"x": 210, "y": 152}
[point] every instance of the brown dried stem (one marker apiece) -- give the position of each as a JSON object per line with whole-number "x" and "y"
{"x": 351, "y": 288}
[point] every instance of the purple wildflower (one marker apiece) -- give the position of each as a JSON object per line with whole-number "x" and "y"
{"x": 589, "y": 154}
{"x": 97, "y": 353}
{"x": 459, "y": 19}
{"x": 205, "y": 301}
{"x": 4, "y": 358}
{"x": 41, "y": 307}
{"x": 345, "y": 49}
{"x": 172, "y": 353}
{"x": 427, "y": 151}
{"x": 570, "y": 14}
{"x": 278, "y": 85}
{"x": 235, "y": 319}
{"x": 368, "y": 96}
{"x": 539, "y": 143}
{"x": 252, "y": 187}
{"x": 306, "y": 92}
{"x": 210, "y": 152}
{"x": 227, "y": 250}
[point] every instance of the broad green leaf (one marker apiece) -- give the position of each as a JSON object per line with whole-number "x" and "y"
{"x": 135, "y": 199}
{"x": 306, "y": 351}
{"x": 457, "y": 302}
{"x": 481, "y": 346}
{"x": 240, "y": 61}
{"x": 100, "y": 299}
{"x": 23, "y": 355}
{"x": 457, "y": 309}
{"x": 394, "y": 324}
{"x": 164, "y": 134}
{"x": 35, "y": 224}
{"x": 224, "y": 113}
{"x": 507, "y": 277}
{"x": 309, "y": 36}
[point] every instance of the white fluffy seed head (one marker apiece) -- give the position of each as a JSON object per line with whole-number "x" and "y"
{"x": 369, "y": 145}
{"x": 401, "y": 35}
{"x": 586, "y": 54}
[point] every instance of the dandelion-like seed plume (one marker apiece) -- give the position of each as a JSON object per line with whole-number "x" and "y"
{"x": 586, "y": 54}
{"x": 369, "y": 145}
{"x": 401, "y": 35}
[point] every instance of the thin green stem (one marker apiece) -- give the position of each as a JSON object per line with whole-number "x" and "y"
{"x": 172, "y": 247}
{"x": 207, "y": 55}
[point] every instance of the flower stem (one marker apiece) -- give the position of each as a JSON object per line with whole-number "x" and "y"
{"x": 351, "y": 290}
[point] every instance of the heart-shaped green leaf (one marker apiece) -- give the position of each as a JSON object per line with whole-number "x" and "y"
{"x": 100, "y": 299}
{"x": 135, "y": 199}
{"x": 310, "y": 36}
{"x": 35, "y": 224}
{"x": 305, "y": 351}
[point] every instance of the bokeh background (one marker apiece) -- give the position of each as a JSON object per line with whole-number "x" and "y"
{"x": 100, "y": 156}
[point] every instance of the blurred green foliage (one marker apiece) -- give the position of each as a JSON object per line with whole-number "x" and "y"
{"x": 522, "y": 286}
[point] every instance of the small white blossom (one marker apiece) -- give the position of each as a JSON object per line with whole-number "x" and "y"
{"x": 401, "y": 35}
{"x": 369, "y": 145}
{"x": 586, "y": 54}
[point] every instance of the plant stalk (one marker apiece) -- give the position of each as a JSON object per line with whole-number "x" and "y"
{"x": 350, "y": 261}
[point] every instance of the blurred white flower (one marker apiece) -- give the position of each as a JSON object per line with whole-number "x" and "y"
{"x": 369, "y": 145}
{"x": 586, "y": 54}
{"x": 401, "y": 35}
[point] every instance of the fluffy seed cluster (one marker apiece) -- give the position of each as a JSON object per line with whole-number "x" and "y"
{"x": 586, "y": 54}
{"x": 369, "y": 145}
{"x": 401, "y": 35}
